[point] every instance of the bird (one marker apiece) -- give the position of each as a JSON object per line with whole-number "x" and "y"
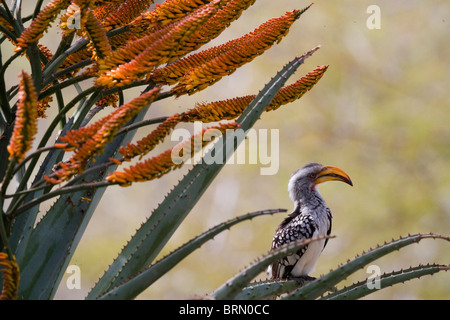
{"x": 310, "y": 218}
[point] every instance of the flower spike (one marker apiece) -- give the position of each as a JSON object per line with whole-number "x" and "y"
{"x": 99, "y": 43}
{"x": 90, "y": 141}
{"x": 168, "y": 12}
{"x": 104, "y": 11}
{"x": 170, "y": 159}
{"x": 296, "y": 90}
{"x": 229, "y": 10}
{"x": 11, "y": 277}
{"x": 25, "y": 126}
{"x": 5, "y": 24}
{"x": 220, "y": 110}
{"x": 147, "y": 53}
{"x": 148, "y": 143}
{"x": 199, "y": 71}
{"x": 40, "y": 24}
{"x": 232, "y": 108}
{"x": 74, "y": 139}
{"x": 125, "y": 13}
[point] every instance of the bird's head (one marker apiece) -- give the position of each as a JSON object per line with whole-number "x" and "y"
{"x": 304, "y": 180}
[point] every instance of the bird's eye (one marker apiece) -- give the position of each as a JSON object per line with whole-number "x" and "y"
{"x": 312, "y": 175}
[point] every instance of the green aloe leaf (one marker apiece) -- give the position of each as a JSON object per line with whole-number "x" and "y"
{"x": 131, "y": 288}
{"x": 315, "y": 289}
{"x": 53, "y": 241}
{"x": 231, "y": 288}
{"x": 266, "y": 289}
{"x": 361, "y": 289}
{"x": 23, "y": 224}
{"x": 148, "y": 241}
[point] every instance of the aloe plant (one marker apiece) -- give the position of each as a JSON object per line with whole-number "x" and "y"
{"x": 237, "y": 288}
{"x": 123, "y": 45}
{"x": 160, "y": 60}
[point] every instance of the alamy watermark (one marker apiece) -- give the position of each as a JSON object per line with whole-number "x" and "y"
{"x": 73, "y": 13}
{"x": 74, "y": 280}
{"x": 373, "y": 281}
{"x": 257, "y": 150}
{"x": 374, "y": 20}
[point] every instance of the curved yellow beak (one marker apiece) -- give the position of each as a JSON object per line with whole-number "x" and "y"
{"x": 332, "y": 173}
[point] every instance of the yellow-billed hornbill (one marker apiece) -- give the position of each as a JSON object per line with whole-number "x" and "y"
{"x": 311, "y": 218}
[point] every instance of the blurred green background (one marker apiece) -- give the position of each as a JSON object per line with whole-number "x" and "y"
{"x": 381, "y": 113}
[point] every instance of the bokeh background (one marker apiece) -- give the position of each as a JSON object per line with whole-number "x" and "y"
{"x": 381, "y": 112}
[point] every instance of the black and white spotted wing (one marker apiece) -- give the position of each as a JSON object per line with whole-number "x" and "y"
{"x": 292, "y": 228}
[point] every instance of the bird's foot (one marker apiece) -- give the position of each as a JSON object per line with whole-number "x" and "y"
{"x": 301, "y": 280}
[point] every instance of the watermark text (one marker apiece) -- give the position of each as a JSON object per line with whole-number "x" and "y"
{"x": 262, "y": 148}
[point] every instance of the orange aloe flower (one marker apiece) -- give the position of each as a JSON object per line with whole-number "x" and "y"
{"x": 169, "y": 160}
{"x": 110, "y": 100}
{"x": 124, "y": 13}
{"x": 99, "y": 43}
{"x": 43, "y": 105}
{"x": 229, "y": 12}
{"x": 153, "y": 21}
{"x": 74, "y": 58}
{"x": 117, "y": 14}
{"x": 234, "y": 54}
{"x": 220, "y": 110}
{"x": 155, "y": 49}
{"x": 171, "y": 11}
{"x": 232, "y": 108}
{"x": 11, "y": 277}
{"x": 46, "y": 52}
{"x": 41, "y": 23}
{"x": 5, "y": 24}
{"x": 168, "y": 12}
{"x": 25, "y": 126}
{"x": 74, "y": 139}
{"x": 90, "y": 141}
{"x": 149, "y": 142}
{"x": 103, "y": 11}
{"x": 106, "y": 2}
{"x": 146, "y": 29}
{"x": 298, "y": 89}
